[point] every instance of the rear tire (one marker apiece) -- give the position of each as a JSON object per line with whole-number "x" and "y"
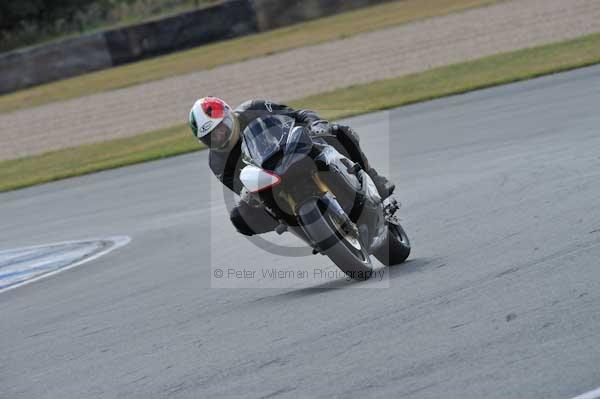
{"x": 396, "y": 247}
{"x": 347, "y": 253}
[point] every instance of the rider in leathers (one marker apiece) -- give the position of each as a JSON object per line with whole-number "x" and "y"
{"x": 225, "y": 150}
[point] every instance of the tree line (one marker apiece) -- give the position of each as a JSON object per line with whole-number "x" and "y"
{"x": 25, "y": 22}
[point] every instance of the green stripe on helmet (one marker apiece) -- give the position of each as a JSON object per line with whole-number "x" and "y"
{"x": 193, "y": 124}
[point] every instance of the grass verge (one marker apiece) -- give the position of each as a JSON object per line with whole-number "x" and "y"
{"x": 439, "y": 82}
{"x": 212, "y": 55}
{"x": 71, "y": 162}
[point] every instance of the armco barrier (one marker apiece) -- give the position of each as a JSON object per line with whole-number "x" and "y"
{"x": 231, "y": 18}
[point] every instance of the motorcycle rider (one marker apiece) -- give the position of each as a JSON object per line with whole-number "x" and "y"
{"x": 219, "y": 127}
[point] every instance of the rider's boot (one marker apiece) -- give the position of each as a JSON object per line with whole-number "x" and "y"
{"x": 384, "y": 186}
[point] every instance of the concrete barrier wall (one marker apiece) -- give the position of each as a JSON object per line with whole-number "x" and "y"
{"x": 223, "y": 21}
{"x": 54, "y": 61}
{"x": 271, "y": 14}
{"x": 232, "y": 18}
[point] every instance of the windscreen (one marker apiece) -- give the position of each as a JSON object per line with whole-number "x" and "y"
{"x": 264, "y": 137}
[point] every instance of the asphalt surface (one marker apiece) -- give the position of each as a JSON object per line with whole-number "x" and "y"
{"x": 501, "y": 296}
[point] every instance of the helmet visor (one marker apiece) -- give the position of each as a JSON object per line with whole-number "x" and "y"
{"x": 221, "y": 135}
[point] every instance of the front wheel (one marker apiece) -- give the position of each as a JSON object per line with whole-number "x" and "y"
{"x": 396, "y": 247}
{"x": 343, "y": 248}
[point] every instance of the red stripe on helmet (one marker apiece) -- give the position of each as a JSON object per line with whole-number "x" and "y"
{"x": 213, "y": 107}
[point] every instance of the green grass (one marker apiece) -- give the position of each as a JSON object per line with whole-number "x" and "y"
{"x": 439, "y": 82}
{"x": 458, "y": 78}
{"x": 70, "y": 162}
{"x": 212, "y": 55}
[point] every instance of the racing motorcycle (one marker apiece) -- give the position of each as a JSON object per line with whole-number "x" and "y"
{"x": 317, "y": 193}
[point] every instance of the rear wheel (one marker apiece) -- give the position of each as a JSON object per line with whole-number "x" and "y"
{"x": 396, "y": 247}
{"x": 336, "y": 241}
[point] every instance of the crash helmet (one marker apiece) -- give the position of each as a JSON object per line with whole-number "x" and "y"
{"x": 214, "y": 123}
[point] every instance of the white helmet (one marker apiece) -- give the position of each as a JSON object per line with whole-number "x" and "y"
{"x": 213, "y": 123}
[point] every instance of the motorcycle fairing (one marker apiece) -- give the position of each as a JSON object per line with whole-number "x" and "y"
{"x": 265, "y": 137}
{"x": 273, "y": 143}
{"x": 297, "y": 146}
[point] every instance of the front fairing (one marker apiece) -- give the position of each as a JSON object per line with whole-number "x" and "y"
{"x": 297, "y": 146}
{"x": 263, "y": 138}
{"x": 273, "y": 143}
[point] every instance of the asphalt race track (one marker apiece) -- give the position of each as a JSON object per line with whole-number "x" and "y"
{"x": 501, "y": 296}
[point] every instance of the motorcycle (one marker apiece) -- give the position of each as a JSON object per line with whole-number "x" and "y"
{"x": 320, "y": 195}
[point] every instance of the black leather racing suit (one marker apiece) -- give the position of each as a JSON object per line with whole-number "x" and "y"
{"x": 226, "y": 166}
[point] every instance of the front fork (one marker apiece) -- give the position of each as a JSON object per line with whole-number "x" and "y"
{"x": 331, "y": 204}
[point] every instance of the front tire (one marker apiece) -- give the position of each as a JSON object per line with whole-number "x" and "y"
{"x": 396, "y": 247}
{"x": 348, "y": 253}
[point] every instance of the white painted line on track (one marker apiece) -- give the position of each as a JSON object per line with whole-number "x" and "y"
{"x": 117, "y": 242}
{"x": 595, "y": 394}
